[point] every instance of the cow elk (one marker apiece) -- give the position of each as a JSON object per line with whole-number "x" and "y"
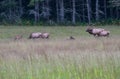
{"x": 35, "y": 35}
{"x": 104, "y": 33}
{"x": 45, "y": 35}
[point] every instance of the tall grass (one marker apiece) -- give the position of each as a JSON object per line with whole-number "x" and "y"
{"x": 85, "y": 57}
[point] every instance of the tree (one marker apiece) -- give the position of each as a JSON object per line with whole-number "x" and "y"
{"x": 61, "y": 11}
{"x": 73, "y": 12}
{"x": 47, "y": 10}
{"x": 10, "y": 11}
{"x": 105, "y": 9}
{"x": 97, "y": 10}
{"x": 57, "y": 11}
{"x": 20, "y": 7}
{"x": 115, "y": 3}
{"x": 88, "y": 11}
{"x": 83, "y": 9}
{"x": 35, "y": 11}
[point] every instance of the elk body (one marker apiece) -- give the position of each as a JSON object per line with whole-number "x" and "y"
{"x": 97, "y": 31}
{"x": 104, "y": 33}
{"x": 35, "y": 35}
{"x": 39, "y": 35}
{"x": 45, "y": 35}
{"x": 94, "y": 31}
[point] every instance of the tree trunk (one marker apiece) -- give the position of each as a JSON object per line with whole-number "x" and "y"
{"x": 61, "y": 11}
{"x": 73, "y": 12}
{"x": 47, "y": 9}
{"x": 20, "y": 10}
{"x": 83, "y": 10}
{"x": 111, "y": 14}
{"x": 88, "y": 11}
{"x": 105, "y": 9}
{"x": 117, "y": 13}
{"x": 20, "y": 7}
{"x": 36, "y": 14}
{"x": 57, "y": 9}
{"x": 10, "y": 11}
{"x": 97, "y": 10}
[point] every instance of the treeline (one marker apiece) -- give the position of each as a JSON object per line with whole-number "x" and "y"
{"x": 59, "y": 11}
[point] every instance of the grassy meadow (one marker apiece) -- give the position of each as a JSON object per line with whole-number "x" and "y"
{"x": 86, "y": 57}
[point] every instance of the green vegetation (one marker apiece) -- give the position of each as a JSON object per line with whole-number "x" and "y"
{"x": 9, "y": 32}
{"x": 58, "y": 58}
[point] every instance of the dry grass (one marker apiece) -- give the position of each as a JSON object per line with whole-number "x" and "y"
{"x": 83, "y": 58}
{"x": 24, "y": 48}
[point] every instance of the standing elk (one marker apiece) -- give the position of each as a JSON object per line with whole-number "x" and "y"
{"x": 35, "y": 35}
{"x": 98, "y": 32}
{"x": 94, "y": 31}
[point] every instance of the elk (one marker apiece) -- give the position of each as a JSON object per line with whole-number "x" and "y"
{"x": 35, "y": 35}
{"x": 94, "y": 31}
{"x": 71, "y": 38}
{"x": 45, "y": 35}
{"x": 104, "y": 33}
{"x": 18, "y": 37}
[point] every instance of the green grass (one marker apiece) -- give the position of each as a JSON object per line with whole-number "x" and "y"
{"x": 58, "y": 58}
{"x": 56, "y": 32}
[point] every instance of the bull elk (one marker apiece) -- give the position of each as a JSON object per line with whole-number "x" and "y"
{"x": 97, "y": 31}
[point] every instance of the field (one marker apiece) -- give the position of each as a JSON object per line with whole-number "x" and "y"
{"x": 86, "y": 57}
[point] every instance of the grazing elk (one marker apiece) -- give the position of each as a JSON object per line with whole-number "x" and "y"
{"x": 45, "y": 35}
{"x": 35, "y": 35}
{"x": 18, "y": 37}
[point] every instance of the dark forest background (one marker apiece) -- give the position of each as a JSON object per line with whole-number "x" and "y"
{"x": 56, "y": 12}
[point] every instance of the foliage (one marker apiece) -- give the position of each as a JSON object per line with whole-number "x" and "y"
{"x": 32, "y": 2}
{"x": 5, "y": 4}
{"x": 49, "y": 12}
{"x": 9, "y": 12}
{"x": 115, "y": 3}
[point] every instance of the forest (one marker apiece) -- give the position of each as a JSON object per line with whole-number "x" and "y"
{"x": 59, "y": 39}
{"x": 51, "y": 12}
